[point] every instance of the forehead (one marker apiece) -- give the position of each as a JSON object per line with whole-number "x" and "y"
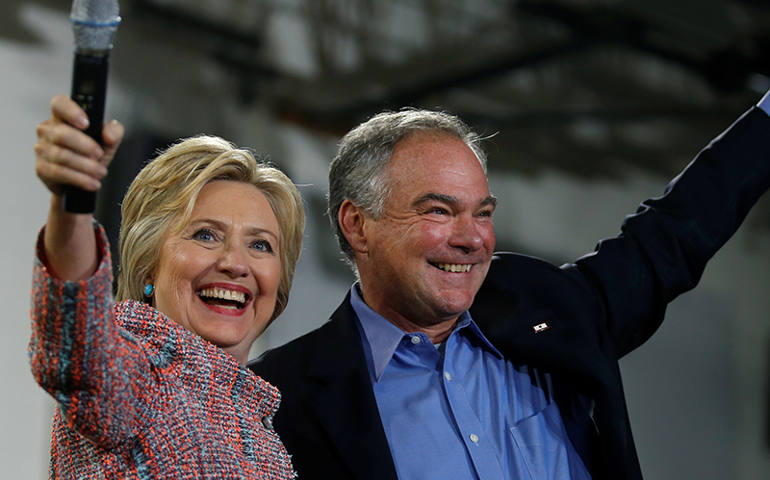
{"x": 435, "y": 162}
{"x": 235, "y": 201}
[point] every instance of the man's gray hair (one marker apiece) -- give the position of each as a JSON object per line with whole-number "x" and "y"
{"x": 357, "y": 172}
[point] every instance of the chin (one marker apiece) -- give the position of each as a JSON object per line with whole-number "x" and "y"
{"x": 458, "y": 301}
{"x": 455, "y": 306}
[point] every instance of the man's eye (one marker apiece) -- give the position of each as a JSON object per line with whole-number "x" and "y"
{"x": 262, "y": 246}
{"x": 204, "y": 235}
{"x": 438, "y": 210}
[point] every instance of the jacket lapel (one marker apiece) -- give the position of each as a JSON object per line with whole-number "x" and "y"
{"x": 340, "y": 393}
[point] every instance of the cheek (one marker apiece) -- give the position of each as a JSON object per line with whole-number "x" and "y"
{"x": 488, "y": 234}
{"x": 170, "y": 296}
{"x": 430, "y": 234}
{"x": 175, "y": 275}
{"x": 177, "y": 269}
{"x": 268, "y": 275}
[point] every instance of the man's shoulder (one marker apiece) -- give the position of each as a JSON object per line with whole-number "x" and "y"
{"x": 516, "y": 279}
{"x": 502, "y": 260}
{"x": 291, "y": 352}
{"x": 515, "y": 270}
{"x": 301, "y": 353}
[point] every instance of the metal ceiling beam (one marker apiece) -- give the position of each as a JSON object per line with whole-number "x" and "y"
{"x": 727, "y": 70}
{"x": 346, "y": 98}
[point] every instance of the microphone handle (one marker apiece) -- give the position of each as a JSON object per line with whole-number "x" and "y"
{"x": 89, "y": 90}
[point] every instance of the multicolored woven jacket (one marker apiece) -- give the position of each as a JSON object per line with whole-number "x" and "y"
{"x": 141, "y": 397}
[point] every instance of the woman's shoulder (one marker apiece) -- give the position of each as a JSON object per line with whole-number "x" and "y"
{"x": 162, "y": 339}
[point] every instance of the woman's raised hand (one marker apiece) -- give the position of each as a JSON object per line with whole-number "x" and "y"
{"x": 66, "y": 155}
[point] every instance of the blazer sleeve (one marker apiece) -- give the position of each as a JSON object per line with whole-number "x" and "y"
{"x": 663, "y": 248}
{"x": 89, "y": 365}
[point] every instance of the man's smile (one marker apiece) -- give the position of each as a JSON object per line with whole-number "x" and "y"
{"x": 453, "y": 267}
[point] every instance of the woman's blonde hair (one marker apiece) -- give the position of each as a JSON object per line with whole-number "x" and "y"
{"x": 161, "y": 198}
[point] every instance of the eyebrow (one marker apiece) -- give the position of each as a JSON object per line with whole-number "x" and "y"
{"x": 450, "y": 199}
{"x": 222, "y": 226}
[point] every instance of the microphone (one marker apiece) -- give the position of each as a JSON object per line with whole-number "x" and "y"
{"x": 94, "y": 23}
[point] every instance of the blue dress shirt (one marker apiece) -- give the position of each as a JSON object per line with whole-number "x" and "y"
{"x": 461, "y": 411}
{"x": 764, "y": 104}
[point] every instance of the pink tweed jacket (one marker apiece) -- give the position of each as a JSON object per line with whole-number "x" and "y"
{"x": 141, "y": 397}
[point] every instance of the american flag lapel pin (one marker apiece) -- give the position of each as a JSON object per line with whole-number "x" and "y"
{"x": 540, "y": 327}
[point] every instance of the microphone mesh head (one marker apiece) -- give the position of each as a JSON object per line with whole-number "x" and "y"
{"x": 94, "y": 23}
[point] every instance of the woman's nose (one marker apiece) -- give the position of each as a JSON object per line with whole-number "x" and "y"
{"x": 233, "y": 261}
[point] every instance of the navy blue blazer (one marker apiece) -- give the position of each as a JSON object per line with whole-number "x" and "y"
{"x": 597, "y": 309}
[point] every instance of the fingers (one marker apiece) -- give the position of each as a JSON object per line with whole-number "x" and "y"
{"x": 56, "y": 175}
{"x": 66, "y": 148}
{"x": 55, "y": 132}
{"x": 60, "y": 153}
{"x": 65, "y": 155}
{"x": 66, "y": 110}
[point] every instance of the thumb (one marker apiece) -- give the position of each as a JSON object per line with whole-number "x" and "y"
{"x": 112, "y": 135}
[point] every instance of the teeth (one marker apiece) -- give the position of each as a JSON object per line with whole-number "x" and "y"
{"x": 455, "y": 267}
{"x": 224, "y": 294}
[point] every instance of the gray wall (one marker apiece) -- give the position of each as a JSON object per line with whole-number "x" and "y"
{"x": 697, "y": 392}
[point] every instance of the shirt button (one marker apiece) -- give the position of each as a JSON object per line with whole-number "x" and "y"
{"x": 415, "y": 339}
{"x": 474, "y": 438}
{"x": 448, "y": 376}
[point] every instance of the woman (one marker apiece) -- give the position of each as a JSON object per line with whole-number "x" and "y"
{"x": 154, "y": 386}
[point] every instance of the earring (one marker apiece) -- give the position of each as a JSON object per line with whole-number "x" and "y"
{"x": 149, "y": 289}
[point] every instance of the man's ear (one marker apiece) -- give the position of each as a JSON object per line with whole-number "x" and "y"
{"x": 351, "y": 219}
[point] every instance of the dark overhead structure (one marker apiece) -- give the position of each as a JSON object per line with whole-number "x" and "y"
{"x": 588, "y": 86}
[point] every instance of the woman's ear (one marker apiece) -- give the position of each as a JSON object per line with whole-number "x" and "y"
{"x": 352, "y": 219}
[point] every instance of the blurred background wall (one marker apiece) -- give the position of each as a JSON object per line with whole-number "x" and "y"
{"x": 592, "y": 105}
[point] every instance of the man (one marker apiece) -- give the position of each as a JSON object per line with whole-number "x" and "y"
{"x": 446, "y": 361}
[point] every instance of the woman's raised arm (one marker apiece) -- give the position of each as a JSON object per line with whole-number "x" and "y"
{"x": 68, "y": 156}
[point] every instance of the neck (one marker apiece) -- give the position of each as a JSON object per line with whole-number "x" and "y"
{"x": 240, "y": 356}
{"x": 437, "y": 329}
{"x": 436, "y": 332}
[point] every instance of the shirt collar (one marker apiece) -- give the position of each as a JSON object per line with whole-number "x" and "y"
{"x": 383, "y": 337}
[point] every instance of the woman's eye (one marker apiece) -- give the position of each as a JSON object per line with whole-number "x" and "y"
{"x": 262, "y": 246}
{"x": 204, "y": 235}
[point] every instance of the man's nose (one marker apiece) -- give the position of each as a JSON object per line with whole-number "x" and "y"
{"x": 466, "y": 234}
